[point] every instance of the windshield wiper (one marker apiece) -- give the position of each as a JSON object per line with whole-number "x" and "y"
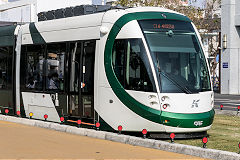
{"x": 183, "y": 88}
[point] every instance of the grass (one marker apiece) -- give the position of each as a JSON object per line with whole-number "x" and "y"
{"x": 224, "y": 134}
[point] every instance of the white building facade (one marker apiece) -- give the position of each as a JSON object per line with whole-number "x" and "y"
{"x": 230, "y": 56}
{"x": 25, "y": 11}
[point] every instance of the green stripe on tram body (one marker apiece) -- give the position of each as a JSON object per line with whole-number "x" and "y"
{"x": 175, "y": 119}
{"x": 35, "y": 34}
{"x": 7, "y": 35}
{"x": 188, "y": 120}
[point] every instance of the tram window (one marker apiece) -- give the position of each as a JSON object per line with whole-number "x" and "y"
{"x": 88, "y": 64}
{"x": 131, "y": 65}
{"x": 34, "y": 68}
{"x": 5, "y": 67}
{"x": 88, "y": 58}
{"x": 75, "y": 51}
{"x": 118, "y": 60}
{"x": 55, "y": 66}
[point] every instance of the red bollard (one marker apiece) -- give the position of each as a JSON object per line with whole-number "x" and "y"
{"x": 221, "y": 107}
{"x": 6, "y": 111}
{"x": 18, "y": 113}
{"x": 79, "y": 122}
{"x": 204, "y": 140}
{"x": 97, "y": 125}
{"x": 45, "y": 117}
{"x": 172, "y": 136}
{"x": 239, "y": 147}
{"x": 144, "y": 132}
{"x": 120, "y": 129}
{"x": 62, "y": 120}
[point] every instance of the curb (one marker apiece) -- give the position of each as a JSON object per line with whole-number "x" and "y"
{"x": 227, "y": 112}
{"x": 136, "y": 141}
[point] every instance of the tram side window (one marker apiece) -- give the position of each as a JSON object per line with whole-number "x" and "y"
{"x": 131, "y": 65}
{"x": 88, "y": 65}
{"x": 5, "y": 67}
{"x": 55, "y": 66}
{"x": 34, "y": 68}
{"x": 75, "y": 52}
{"x": 118, "y": 60}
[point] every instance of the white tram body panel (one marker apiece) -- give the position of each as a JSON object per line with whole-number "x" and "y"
{"x": 39, "y": 104}
{"x": 184, "y": 103}
{"x": 66, "y": 29}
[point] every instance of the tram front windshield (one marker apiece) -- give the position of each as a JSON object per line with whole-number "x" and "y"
{"x": 177, "y": 55}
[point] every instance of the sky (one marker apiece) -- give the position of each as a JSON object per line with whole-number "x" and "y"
{"x": 197, "y": 3}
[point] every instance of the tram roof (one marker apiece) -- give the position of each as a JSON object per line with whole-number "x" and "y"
{"x": 73, "y": 28}
{"x": 94, "y": 19}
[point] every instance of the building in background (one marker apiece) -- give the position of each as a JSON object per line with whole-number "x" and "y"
{"x": 230, "y": 56}
{"x": 25, "y": 11}
{"x": 3, "y": 2}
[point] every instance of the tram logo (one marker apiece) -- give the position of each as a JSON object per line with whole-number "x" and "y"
{"x": 164, "y": 16}
{"x": 198, "y": 123}
{"x": 195, "y": 103}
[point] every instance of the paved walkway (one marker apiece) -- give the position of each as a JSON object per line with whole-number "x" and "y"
{"x": 26, "y": 142}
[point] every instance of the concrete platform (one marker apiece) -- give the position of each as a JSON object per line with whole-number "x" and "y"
{"x": 28, "y": 142}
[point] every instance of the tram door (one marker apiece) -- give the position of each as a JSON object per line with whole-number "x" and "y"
{"x": 81, "y": 78}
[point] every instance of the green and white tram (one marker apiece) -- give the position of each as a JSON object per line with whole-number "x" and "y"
{"x": 141, "y": 68}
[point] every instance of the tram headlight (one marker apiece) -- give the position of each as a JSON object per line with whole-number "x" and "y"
{"x": 163, "y": 98}
{"x": 212, "y": 102}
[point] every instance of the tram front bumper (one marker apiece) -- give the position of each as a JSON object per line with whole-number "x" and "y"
{"x": 183, "y": 120}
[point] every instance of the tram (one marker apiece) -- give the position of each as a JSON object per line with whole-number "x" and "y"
{"x": 141, "y": 68}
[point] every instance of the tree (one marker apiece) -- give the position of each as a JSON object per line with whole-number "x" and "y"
{"x": 212, "y": 24}
{"x": 202, "y": 18}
